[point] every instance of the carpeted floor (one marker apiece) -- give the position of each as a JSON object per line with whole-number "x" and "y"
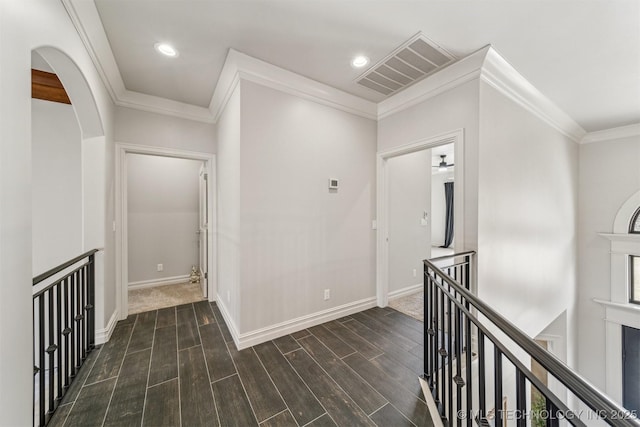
{"x": 148, "y": 299}
{"x": 411, "y": 305}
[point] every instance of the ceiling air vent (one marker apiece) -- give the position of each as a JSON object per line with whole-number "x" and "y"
{"x": 414, "y": 60}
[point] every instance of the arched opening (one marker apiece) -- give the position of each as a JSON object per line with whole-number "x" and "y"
{"x": 68, "y": 160}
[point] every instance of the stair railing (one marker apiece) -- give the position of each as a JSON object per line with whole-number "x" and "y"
{"x": 471, "y": 363}
{"x": 64, "y": 330}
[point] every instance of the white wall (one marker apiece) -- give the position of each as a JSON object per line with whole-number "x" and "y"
{"x": 527, "y": 215}
{"x": 439, "y": 206}
{"x": 409, "y": 196}
{"x": 454, "y": 109}
{"x": 163, "y": 216}
{"x": 26, "y": 25}
{"x": 144, "y": 128}
{"x": 297, "y": 237}
{"x": 609, "y": 175}
{"x": 57, "y": 185}
{"x": 228, "y": 137}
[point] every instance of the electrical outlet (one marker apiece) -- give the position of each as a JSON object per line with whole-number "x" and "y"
{"x": 327, "y": 294}
{"x": 415, "y": 273}
{"x": 160, "y": 267}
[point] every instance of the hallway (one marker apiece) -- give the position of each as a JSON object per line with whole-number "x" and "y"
{"x": 178, "y": 366}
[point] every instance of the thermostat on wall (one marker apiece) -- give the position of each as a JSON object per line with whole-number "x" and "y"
{"x": 333, "y": 184}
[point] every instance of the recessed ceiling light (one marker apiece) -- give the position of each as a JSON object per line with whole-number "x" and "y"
{"x": 359, "y": 61}
{"x": 166, "y": 49}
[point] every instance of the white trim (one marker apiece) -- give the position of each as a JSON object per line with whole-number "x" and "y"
{"x": 95, "y": 41}
{"x": 231, "y": 325}
{"x": 86, "y": 20}
{"x": 619, "y": 237}
{"x": 618, "y": 310}
{"x": 629, "y": 131}
{"x": 618, "y": 318}
{"x": 258, "y": 336}
{"x": 156, "y": 104}
{"x": 489, "y": 66}
{"x": 486, "y": 64}
{"x": 625, "y": 213}
{"x": 413, "y": 289}
{"x": 104, "y": 335}
{"x": 382, "y": 265}
{"x": 244, "y": 67}
{"x": 154, "y": 283}
{"x": 498, "y": 73}
{"x": 122, "y": 279}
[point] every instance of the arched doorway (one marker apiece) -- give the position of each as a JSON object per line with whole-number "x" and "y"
{"x": 68, "y": 192}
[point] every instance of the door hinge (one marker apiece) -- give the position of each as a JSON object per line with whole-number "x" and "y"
{"x": 206, "y": 275}
{"x": 206, "y": 177}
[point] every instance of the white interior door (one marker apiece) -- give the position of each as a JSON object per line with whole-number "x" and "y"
{"x": 409, "y": 214}
{"x": 203, "y": 230}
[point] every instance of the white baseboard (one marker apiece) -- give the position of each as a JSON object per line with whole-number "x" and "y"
{"x": 158, "y": 282}
{"x": 233, "y": 329}
{"x": 259, "y": 336}
{"x": 103, "y": 335}
{"x": 406, "y": 291}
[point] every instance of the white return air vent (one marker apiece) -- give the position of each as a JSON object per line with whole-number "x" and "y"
{"x": 414, "y": 60}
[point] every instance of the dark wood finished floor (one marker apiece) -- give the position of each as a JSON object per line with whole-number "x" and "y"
{"x": 179, "y": 367}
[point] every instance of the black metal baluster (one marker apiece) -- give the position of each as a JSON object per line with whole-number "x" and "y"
{"x": 443, "y": 354}
{"x": 66, "y": 332}
{"x": 552, "y": 413}
{"x": 434, "y": 353}
{"x": 41, "y": 358}
{"x": 83, "y": 303}
{"x": 467, "y": 274}
{"x": 427, "y": 322}
{"x": 33, "y": 356}
{"x": 72, "y": 315}
{"x": 497, "y": 377}
{"x": 450, "y": 351}
{"x": 92, "y": 303}
{"x": 78, "y": 325}
{"x": 521, "y": 399}
{"x": 469, "y": 371}
{"x": 482, "y": 400}
{"x": 59, "y": 339}
{"x": 51, "y": 348}
{"x": 458, "y": 378}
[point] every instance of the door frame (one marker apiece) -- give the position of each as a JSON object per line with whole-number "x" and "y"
{"x": 382, "y": 266}
{"x": 120, "y": 225}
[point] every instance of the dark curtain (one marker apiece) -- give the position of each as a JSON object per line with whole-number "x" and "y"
{"x": 448, "y": 232}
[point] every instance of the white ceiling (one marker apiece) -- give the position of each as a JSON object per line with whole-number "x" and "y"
{"x": 584, "y": 55}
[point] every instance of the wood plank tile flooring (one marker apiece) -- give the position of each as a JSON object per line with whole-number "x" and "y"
{"x": 179, "y": 367}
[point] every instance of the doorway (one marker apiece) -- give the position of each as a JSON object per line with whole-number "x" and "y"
{"x": 385, "y": 210}
{"x": 164, "y": 222}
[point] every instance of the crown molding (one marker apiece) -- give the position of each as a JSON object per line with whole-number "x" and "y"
{"x": 498, "y": 73}
{"x": 629, "y": 131}
{"x": 450, "y": 77}
{"x": 86, "y": 19}
{"x": 489, "y": 66}
{"x": 239, "y": 66}
{"x": 156, "y": 104}
{"x": 486, "y": 64}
